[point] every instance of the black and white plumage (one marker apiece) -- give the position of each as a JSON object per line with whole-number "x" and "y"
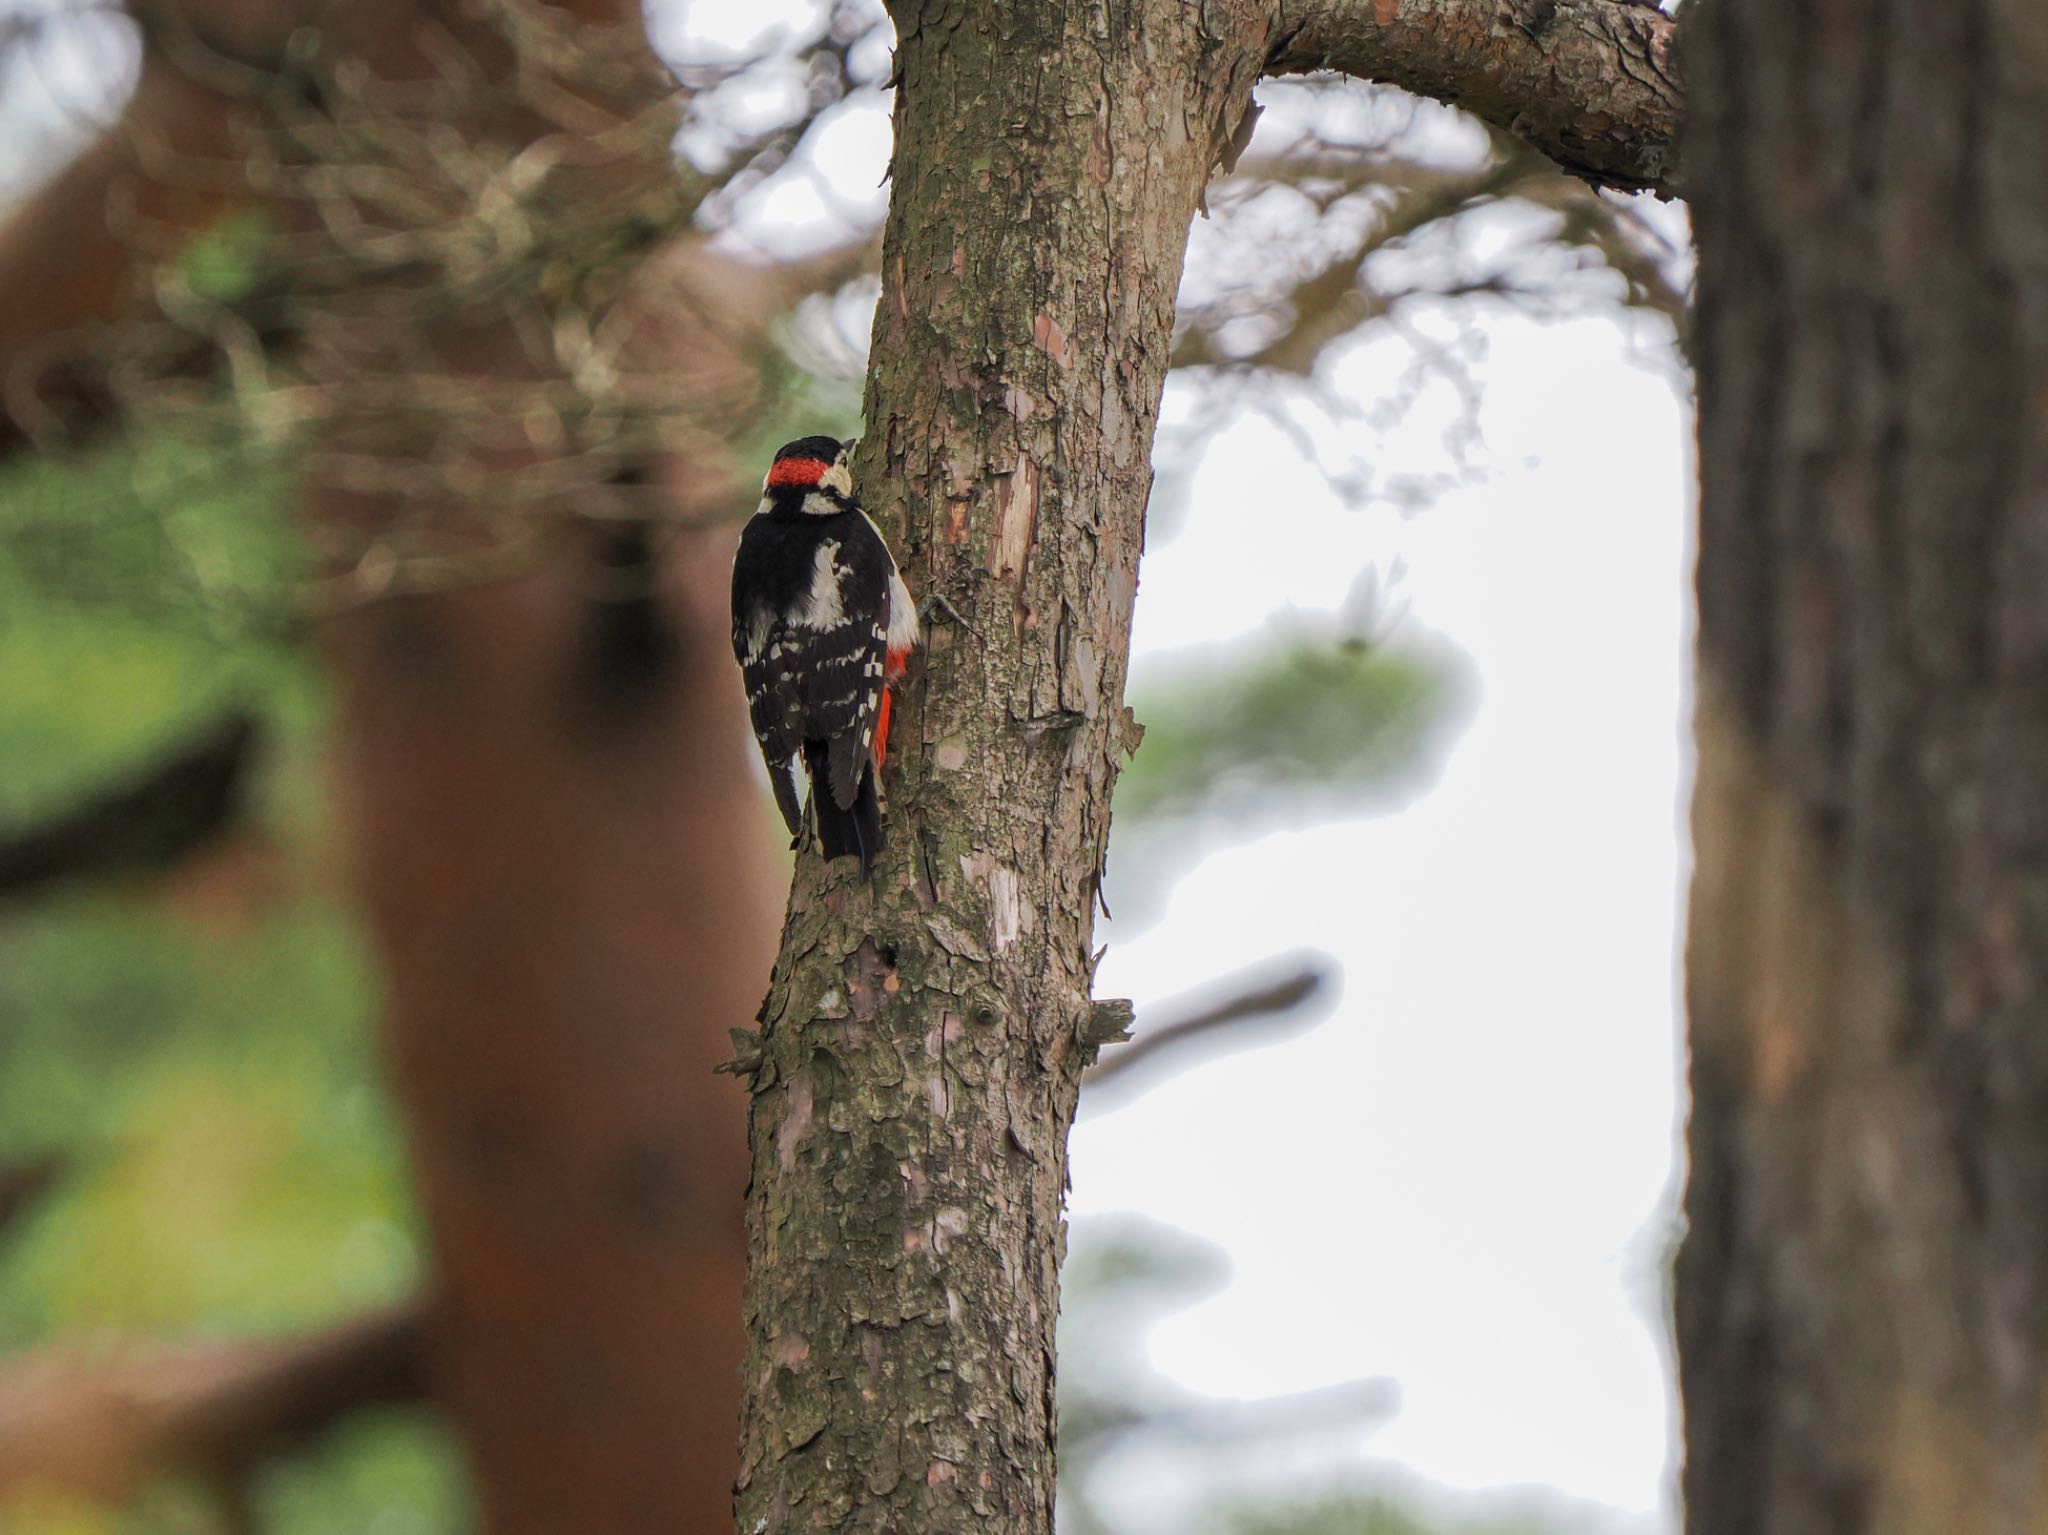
{"x": 822, "y": 624}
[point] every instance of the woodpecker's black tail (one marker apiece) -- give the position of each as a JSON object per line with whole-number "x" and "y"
{"x": 852, "y": 832}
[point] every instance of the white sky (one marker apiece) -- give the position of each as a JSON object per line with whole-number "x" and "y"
{"x": 1462, "y": 1179}
{"x": 58, "y": 88}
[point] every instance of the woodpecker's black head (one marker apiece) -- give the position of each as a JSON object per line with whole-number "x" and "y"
{"x": 811, "y": 474}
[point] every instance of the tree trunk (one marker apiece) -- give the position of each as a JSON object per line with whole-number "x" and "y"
{"x": 923, "y": 1040}
{"x": 1863, "y": 1293}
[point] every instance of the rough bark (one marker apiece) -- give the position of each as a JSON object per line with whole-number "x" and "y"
{"x": 1863, "y": 1294}
{"x": 1590, "y": 83}
{"x": 924, "y": 1038}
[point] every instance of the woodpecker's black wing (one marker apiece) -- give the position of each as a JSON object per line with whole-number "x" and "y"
{"x": 774, "y": 700}
{"x": 810, "y": 617}
{"x": 773, "y": 703}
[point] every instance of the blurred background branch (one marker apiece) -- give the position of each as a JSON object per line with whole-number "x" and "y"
{"x": 1244, "y": 1014}
{"x": 103, "y": 1419}
{"x": 192, "y": 794}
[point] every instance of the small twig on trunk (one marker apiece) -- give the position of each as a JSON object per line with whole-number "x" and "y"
{"x": 1228, "y": 1022}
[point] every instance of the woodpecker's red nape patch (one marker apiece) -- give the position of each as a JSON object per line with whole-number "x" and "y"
{"x": 796, "y": 471}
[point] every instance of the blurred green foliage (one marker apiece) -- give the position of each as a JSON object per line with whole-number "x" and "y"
{"x": 393, "y": 1473}
{"x": 199, "y": 1049}
{"x": 227, "y": 260}
{"x": 174, "y": 535}
{"x": 1296, "y": 715}
{"x": 386, "y": 1473}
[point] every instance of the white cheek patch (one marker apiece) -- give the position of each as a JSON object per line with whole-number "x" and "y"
{"x": 821, "y": 607}
{"x": 840, "y": 478}
{"x": 818, "y": 504}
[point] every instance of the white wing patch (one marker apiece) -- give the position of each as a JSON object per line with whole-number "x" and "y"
{"x": 902, "y": 614}
{"x": 903, "y": 629}
{"x": 822, "y": 607}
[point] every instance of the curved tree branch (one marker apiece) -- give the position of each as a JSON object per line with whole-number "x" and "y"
{"x": 1243, "y": 1016}
{"x": 102, "y": 1424}
{"x": 1590, "y": 83}
{"x": 148, "y": 823}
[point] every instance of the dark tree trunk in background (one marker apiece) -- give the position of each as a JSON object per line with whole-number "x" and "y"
{"x": 567, "y": 857}
{"x": 1863, "y": 1293}
{"x": 576, "y": 896}
{"x": 548, "y": 787}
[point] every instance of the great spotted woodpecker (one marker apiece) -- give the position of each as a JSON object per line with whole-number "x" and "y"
{"x": 822, "y": 625}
